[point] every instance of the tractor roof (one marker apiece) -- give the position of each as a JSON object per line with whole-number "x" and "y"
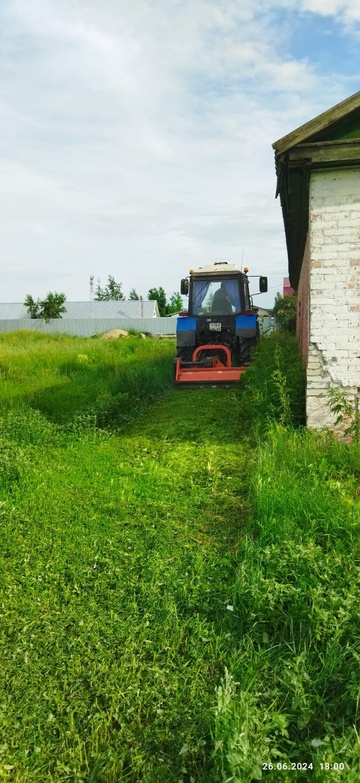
{"x": 216, "y": 269}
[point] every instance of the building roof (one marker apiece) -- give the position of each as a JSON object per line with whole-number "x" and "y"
{"x": 108, "y": 309}
{"x": 321, "y": 124}
{"x": 332, "y": 139}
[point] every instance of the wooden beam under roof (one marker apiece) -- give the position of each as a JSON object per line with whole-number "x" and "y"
{"x": 332, "y": 153}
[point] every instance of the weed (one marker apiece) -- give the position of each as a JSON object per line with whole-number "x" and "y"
{"x": 346, "y": 411}
{"x": 280, "y": 384}
{"x": 273, "y": 388}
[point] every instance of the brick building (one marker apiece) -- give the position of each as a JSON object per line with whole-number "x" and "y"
{"x": 318, "y": 179}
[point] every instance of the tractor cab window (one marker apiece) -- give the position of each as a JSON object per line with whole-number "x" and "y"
{"x": 246, "y": 294}
{"x": 215, "y": 297}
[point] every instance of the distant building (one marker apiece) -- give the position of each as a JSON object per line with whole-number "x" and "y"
{"x": 85, "y": 319}
{"x": 110, "y": 309}
{"x": 265, "y": 320}
{"x": 287, "y": 290}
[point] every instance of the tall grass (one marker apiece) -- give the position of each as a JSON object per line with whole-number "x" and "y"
{"x": 68, "y": 377}
{"x": 290, "y": 695}
{"x": 273, "y": 388}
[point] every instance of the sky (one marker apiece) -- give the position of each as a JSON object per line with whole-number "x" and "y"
{"x": 136, "y": 137}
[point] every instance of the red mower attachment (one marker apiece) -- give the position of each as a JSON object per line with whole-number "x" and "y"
{"x": 207, "y": 369}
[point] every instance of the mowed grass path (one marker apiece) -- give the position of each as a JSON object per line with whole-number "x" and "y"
{"x": 117, "y": 552}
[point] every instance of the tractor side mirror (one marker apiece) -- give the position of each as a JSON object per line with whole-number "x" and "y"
{"x": 263, "y": 285}
{"x": 184, "y": 287}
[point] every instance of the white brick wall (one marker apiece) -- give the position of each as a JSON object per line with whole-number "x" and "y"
{"x": 334, "y": 321}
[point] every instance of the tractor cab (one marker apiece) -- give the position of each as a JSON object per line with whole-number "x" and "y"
{"x": 219, "y": 289}
{"x": 215, "y": 295}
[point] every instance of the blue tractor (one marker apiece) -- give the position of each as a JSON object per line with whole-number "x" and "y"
{"x": 216, "y": 337}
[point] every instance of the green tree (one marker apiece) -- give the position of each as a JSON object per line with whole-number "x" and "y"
{"x": 133, "y": 295}
{"x": 111, "y": 291}
{"x": 284, "y": 312}
{"x": 53, "y": 306}
{"x": 176, "y": 303}
{"x": 32, "y": 307}
{"x": 159, "y": 295}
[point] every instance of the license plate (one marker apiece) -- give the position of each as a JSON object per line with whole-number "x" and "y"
{"x": 215, "y": 327}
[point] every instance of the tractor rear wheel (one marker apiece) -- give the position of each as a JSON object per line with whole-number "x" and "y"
{"x": 185, "y": 354}
{"x": 247, "y": 348}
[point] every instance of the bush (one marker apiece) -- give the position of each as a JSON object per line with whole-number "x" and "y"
{"x": 284, "y": 312}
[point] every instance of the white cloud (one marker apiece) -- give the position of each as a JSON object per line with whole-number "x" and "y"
{"x": 348, "y": 10}
{"x": 137, "y": 136}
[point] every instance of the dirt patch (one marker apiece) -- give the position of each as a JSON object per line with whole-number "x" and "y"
{"x": 113, "y": 334}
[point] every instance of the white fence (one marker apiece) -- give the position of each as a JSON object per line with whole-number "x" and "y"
{"x": 88, "y": 327}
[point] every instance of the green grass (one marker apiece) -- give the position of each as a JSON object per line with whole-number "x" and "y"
{"x": 68, "y": 377}
{"x": 291, "y": 693}
{"x": 296, "y": 598}
{"x": 273, "y": 388}
{"x": 119, "y": 546}
{"x": 180, "y": 571}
